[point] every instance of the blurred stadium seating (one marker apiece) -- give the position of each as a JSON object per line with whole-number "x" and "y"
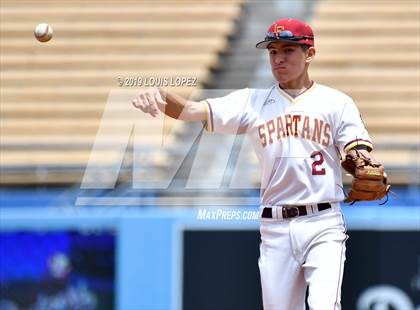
{"x": 53, "y": 94}
{"x": 371, "y": 52}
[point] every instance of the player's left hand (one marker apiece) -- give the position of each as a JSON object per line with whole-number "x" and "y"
{"x": 370, "y": 179}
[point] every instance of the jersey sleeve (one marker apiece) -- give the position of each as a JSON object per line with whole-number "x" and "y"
{"x": 229, "y": 114}
{"x": 351, "y": 130}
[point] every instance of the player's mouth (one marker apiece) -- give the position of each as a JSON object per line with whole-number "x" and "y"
{"x": 279, "y": 68}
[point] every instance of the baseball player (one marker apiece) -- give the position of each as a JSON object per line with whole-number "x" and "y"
{"x": 297, "y": 128}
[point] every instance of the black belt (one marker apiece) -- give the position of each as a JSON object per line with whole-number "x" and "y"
{"x": 293, "y": 211}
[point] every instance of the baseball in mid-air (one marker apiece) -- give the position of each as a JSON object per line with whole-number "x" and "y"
{"x": 43, "y": 32}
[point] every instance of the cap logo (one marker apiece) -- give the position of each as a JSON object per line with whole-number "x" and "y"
{"x": 278, "y": 29}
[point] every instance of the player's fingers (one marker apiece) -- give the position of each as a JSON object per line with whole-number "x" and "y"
{"x": 159, "y": 98}
{"x": 151, "y": 99}
{"x": 153, "y": 105}
{"x": 145, "y": 103}
{"x": 138, "y": 103}
{"x": 135, "y": 102}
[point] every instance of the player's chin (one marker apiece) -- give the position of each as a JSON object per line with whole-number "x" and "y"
{"x": 281, "y": 76}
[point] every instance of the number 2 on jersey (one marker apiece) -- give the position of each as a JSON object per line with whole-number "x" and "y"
{"x": 318, "y": 160}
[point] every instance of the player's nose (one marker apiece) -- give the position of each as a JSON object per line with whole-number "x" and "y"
{"x": 278, "y": 59}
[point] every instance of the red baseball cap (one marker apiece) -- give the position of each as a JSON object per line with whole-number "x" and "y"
{"x": 289, "y": 30}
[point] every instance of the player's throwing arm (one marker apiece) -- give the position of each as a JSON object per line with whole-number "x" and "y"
{"x": 153, "y": 100}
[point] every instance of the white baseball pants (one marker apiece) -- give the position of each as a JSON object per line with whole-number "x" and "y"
{"x": 301, "y": 252}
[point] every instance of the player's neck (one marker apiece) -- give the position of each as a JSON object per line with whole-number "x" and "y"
{"x": 295, "y": 87}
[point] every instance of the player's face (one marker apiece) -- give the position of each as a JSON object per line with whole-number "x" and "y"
{"x": 288, "y": 61}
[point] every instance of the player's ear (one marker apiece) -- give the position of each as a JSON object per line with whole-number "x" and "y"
{"x": 310, "y": 54}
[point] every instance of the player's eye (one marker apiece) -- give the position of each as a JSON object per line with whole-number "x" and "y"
{"x": 273, "y": 52}
{"x": 289, "y": 50}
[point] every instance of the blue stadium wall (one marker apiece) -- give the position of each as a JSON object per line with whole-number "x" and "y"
{"x": 164, "y": 258}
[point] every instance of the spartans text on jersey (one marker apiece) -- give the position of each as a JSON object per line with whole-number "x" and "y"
{"x": 296, "y": 126}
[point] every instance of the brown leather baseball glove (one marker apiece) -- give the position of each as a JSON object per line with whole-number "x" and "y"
{"x": 370, "y": 180}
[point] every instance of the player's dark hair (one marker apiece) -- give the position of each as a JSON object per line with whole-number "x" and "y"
{"x": 304, "y": 47}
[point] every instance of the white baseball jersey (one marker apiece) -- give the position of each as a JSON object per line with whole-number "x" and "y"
{"x": 297, "y": 140}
